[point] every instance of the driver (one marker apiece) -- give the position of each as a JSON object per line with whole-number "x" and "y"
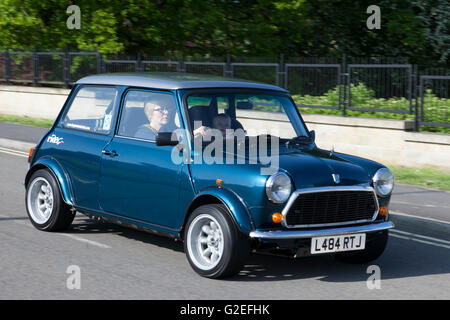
{"x": 222, "y": 122}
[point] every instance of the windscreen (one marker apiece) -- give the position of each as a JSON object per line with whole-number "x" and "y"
{"x": 254, "y": 113}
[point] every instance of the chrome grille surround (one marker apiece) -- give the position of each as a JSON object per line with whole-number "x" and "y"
{"x": 299, "y": 192}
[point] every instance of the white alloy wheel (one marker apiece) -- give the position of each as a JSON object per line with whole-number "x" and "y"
{"x": 205, "y": 242}
{"x": 45, "y": 206}
{"x": 40, "y": 200}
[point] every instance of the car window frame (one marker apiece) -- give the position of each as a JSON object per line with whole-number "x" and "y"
{"x": 69, "y": 105}
{"x": 122, "y": 106}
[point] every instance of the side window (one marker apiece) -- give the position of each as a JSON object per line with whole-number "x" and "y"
{"x": 146, "y": 113}
{"x": 92, "y": 110}
{"x": 258, "y": 103}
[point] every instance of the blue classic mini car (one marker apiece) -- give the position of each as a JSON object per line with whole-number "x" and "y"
{"x": 227, "y": 166}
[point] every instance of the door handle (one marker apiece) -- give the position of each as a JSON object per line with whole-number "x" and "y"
{"x": 110, "y": 153}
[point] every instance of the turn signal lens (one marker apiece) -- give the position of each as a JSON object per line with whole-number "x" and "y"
{"x": 383, "y": 211}
{"x": 30, "y": 154}
{"x": 277, "y": 217}
{"x": 219, "y": 182}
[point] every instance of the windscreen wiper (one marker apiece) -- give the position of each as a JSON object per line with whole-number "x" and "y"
{"x": 301, "y": 138}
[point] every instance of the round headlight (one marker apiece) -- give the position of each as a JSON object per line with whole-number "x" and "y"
{"x": 278, "y": 187}
{"x": 383, "y": 182}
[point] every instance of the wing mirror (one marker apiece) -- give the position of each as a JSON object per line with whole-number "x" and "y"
{"x": 312, "y": 134}
{"x": 166, "y": 139}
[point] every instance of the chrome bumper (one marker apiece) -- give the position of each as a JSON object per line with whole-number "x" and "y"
{"x": 300, "y": 234}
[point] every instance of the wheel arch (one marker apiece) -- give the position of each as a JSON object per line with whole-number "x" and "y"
{"x": 236, "y": 209}
{"x": 58, "y": 173}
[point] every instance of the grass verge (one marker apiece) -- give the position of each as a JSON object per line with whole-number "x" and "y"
{"x": 37, "y": 122}
{"x": 424, "y": 177}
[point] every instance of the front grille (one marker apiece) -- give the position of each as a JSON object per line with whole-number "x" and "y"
{"x": 331, "y": 207}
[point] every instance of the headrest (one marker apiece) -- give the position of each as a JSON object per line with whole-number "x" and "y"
{"x": 132, "y": 119}
{"x": 200, "y": 113}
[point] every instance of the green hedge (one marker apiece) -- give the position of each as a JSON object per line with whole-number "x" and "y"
{"x": 435, "y": 109}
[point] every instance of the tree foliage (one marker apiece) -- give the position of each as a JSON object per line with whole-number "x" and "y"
{"x": 418, "y": 29}
{"x": 435, "y": 18}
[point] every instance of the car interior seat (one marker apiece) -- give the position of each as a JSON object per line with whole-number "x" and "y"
{"x": 204, "y": 114}
{"x": 133, "y": 118}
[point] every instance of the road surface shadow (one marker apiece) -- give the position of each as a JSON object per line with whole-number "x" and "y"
{"x": 402, "y": 259}
{"x": 85, "y": 225}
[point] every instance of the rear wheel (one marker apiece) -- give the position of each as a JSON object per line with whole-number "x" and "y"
{"x": 45, "y": 207}
{"x": 375, "y": 245}
{"x": 214, "y": 246}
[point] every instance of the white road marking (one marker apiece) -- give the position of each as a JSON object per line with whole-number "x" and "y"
{"x": 421, "y": 241}
{"x": 68, "y": 235}
{"x": 420, "y": 205}
{"x": 14, "y": 152}
{"x": 404, "y": 233}
{"x": 94, "y": 243}
{"x": 417, "y": 217}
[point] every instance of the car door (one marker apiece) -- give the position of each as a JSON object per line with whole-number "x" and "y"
{"x": 77, "y": 141}
{"x": 139, "y": 180}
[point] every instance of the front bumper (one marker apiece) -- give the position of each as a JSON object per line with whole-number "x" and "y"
{"x": 302, "y": 234}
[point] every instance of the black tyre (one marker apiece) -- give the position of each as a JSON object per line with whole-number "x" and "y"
{"x": 214, "y": 247}
{"x": 45, "y": 207}
{"x": 375, "y": 245}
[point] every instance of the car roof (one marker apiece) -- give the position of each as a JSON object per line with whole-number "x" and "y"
{"x": 173, "y": 81}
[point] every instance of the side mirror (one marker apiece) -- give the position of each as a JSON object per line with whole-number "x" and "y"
{"x": 244, "y": 105}
{"x": 165, "y": 139}
{"x": 312, "y": 133}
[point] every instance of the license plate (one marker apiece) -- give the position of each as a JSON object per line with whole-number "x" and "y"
{"x": 347, "y": 242}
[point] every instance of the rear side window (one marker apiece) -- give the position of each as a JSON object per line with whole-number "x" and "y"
{"x": 92, "y": 110}
{"x": 145, "y": 113}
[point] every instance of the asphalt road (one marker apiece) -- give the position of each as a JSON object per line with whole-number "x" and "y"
{"x": 421, "y": 202}
{"x": 21, "y": 132}
{"x": 119, "y": 263}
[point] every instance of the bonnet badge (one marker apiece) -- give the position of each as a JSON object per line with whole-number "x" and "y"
{"x": 336, "y": 178}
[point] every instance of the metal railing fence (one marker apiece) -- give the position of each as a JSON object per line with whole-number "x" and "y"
{"x": 367, "y": 85}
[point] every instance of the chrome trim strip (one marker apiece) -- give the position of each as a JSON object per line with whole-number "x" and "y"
{"x": 298, "y": 192}
{"x": 133, "y": 138}
{"x": 301, "y": 234}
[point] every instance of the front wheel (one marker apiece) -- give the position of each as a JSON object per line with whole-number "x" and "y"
{"x": 214, "y": 246}
{"x": 45, "y": 207}
{"x": 375, "y": 245}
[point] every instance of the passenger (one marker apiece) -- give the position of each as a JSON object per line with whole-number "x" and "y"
{"x": 158, "y": 117}
{"x": 160, "y": 120}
